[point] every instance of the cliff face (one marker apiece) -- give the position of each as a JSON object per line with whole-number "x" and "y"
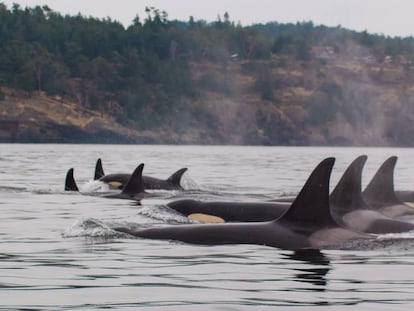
{"x": 335, "y": 100}
{"x": 39, "y": 118}
{"x": 329, "y": 101}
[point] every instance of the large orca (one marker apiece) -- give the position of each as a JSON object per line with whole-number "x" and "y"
{"x": 119, "y": 180}
{"x": 349, "y": 209}
{"x": 231, "y": 211}
{"x": 306, "y": 224}
{"x": 380, "y": 194}
{"x": 133, "y": 190}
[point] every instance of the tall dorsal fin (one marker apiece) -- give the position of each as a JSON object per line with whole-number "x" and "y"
{"x": 135, "y": 184}
{"x": 347, "y": 194}
{"x": 70, "y": 184}
{"x": 99, "y": 172}
{"x": 175, "y": 178}
{"x": 380, "y": 191}
{"x": 311, "y": 205}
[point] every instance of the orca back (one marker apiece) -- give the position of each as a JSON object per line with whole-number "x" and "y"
{"x": 380, "y": 191}
{"x": 347, "y": 195}
{"x": 175, "y": 178}
{"x": 135, "y": 184}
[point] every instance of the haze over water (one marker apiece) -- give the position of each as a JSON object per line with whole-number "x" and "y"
{"x": 57, "y": 251}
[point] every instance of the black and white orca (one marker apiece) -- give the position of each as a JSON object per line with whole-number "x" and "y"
{"x": 119, "y": 180}
{"x": 134, "y": 188}
{"x": 229, "y": 211}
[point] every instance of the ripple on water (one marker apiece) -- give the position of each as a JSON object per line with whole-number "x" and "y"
{"x": 58, "y": 251}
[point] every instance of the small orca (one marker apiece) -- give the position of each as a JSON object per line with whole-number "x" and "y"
{"x": 349, "y": 209}
{"x": 231, "y": 211}
{"x": 306, "y": 224}
{"x": 120, "y": 179}
{"x": 133, "y": 190}
{"x": 70, "y": 184}
{"x": 380, "y": 194}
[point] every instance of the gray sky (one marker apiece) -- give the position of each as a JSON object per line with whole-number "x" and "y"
{"x": 393, "y": 18}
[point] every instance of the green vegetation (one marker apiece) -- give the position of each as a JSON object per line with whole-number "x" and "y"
{"x": 152, "y": 73}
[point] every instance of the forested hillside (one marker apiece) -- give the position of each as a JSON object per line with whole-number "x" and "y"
{"x": 81, "y": 79}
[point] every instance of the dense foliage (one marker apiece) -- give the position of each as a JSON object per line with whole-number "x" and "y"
{"x": 141, "y": 73}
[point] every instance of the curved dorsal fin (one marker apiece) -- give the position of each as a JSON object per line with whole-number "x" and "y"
{"x": 99, "y": 172}
{"x": 380, "y": 191}
{"x": 175, "y": 178}
{"x": 135, "y": 184}
{"x": 70, "y": 184}
{"x": 311, "y": 205}
{"x": 347, "y": 194}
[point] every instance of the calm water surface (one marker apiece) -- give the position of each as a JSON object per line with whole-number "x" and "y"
{"x": 57, "y": 251}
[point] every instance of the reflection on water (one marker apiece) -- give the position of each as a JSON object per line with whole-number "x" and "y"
{"x": 59, "y": 253}
{"x": 318, "y": 266}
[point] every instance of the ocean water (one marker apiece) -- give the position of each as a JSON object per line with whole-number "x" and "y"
{"x": 58, "y": 252}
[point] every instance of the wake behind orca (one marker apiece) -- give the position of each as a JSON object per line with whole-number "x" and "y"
{"x": 306, "y": 224}
{"x": 119, "y": 180}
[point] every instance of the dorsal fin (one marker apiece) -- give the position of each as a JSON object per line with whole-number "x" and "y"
{"x": 380, "y": 191}
{"x": 175, "y": 178}
{"x": 311, "y": 205}
{"x": 70, "y": 184}
{"x": 347, "y": 194}
{"x": 99, "y": 172}
{"x": 135, "y": 184}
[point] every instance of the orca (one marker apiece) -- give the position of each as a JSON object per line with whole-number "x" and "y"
{"x": 231, "y": 211}
{"x": 349, "y": 209}
{"x": 119, "y": 180}
{"x": 307, "y": 224}
{"x": 380, "y": 194}
{"x": 99, "y": 172}
{"x": 70, "y": 184}
{"x": 133, "y": 190}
